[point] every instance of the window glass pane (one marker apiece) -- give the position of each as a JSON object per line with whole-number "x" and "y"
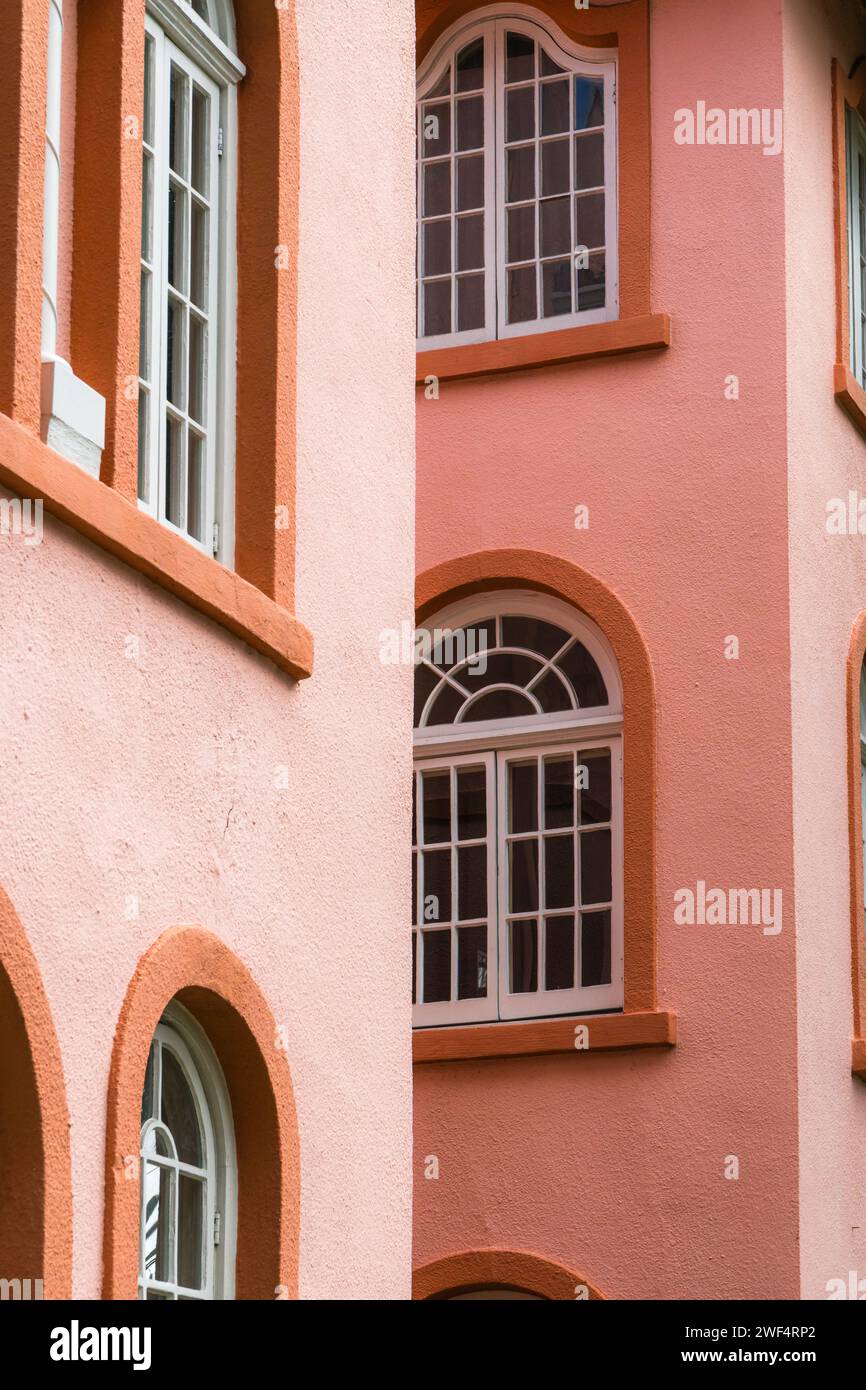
{"x": 179, "y": 1111}
{"x": 520, "y": 114}
{"x": 558, "y": 793}
{"x": 197, "y": 368}
{"x": 521, "y": 236}
{"x": 158, "y": 1222}
{"x": 595, "y": 795}
{"x": 559, "y": 871}
{"x": 414, "y": 967}
{"x": 174, "y": 488}
{"x": 595, "y": 948}
{"x": 589, "y": 213}
{"x": 554, "y": 107}
{"x": 588, "y": 102}
{"x": 437, "y": 307}
{"x": 437, "y": 807}
{"x": 178, "y": 121}
{"x": 470, "y": 242}
{"x": 176, "y": 352}
{"x": 521, "y": 295}
{"x": 470, "y": 302}
{"x": 425, "y": 682}
{"x": 148, "y": 1095}
{"x": 556, "y": 227}
{"x": 556, "y": 288}
{"x": 437, "y": 886}
{"x": 520, "y": 173}
{"x": 470, "y": 182}
{"x": 501, "y": 668}
{"x": 437, "y": 248}
{"x": 523, "y": 973}
{"x": 470, "y": 123}
{"x": 555, "y": 167}
{"x": 471, "y": 803}
{"x": 559, "y": 953}
{"x": 148, "y": 89}
{"x": 146, "y": 206}
{"x": 522, "y": 797}
{"x": 552, "y": 694}
{"x": 519, "y": 58}
{"x": 499, "y": 704}
{"x": 534, "y": 634}
{"x": 437, "y": 966}
{"x": 177, "y": 212}
{"x": 470, "y": 67}
{"x": 195, "y": 485}
{"x": 523, "y": 887}
{"x": 199, "y": 255}
{"x": 144, "y": 327}
{"x": 580, "y": 669}
{"x": 590, "y": 283}
{"x": 472, "y": 963}
{"x": 443, "y": 86}
{"x": 595, "y": 874}
{"x": 190, "y": 1233}
{"x": 200, "y": 140}
{"x": 143, "y": 445}
{"x": 589, "y": 161}
{"x": 437, "y": 187}
{"x": 471, "y": 882}
{"x": 548, "y": 67}
{"x": 436, "y": 130}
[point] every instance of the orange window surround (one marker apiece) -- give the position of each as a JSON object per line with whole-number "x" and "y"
{"x": 256, "y": 600}
{"x": 856, "y": 655}
{"x": 624, "y": 27}
{"x": 643, "y": 1022}
{"x": 847, "y": 92}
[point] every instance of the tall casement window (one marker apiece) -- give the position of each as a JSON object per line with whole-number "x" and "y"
{"x": 857, "y": 242}
{"x": 517, "y": 821}
{"x": 186, "y": 384}
{"x": 188, "y": 1168}
{"x": 516, "y": 159}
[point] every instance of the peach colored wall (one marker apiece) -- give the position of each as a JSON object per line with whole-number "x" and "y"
{"x": 827, "y": 458}
{"x": 614, "y": 1165}
{"x": 151, "y": 771}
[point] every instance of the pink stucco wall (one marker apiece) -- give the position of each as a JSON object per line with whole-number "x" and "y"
{"x": 615, "y": 1164}
{"x": 142, "y": 745}
{"x": 827, "y": 458}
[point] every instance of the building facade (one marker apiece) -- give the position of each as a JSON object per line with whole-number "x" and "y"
{"x": 639, "y": 1067}
{"x": 205, "y": 1078}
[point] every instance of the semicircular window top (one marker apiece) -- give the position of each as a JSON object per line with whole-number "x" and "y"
{"x": 188, "y": 1168}
{"x": 517, "y": 814}
{"x": 516, "y": 181}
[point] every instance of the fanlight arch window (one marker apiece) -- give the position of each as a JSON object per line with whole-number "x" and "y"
{"x": 187, "y": 321}
{"x": 516, "y": 181}
{"x": 188, "y": 1168}
{"x": 517, "y": 814}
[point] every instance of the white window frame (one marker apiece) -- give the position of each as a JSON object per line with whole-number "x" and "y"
{"x": 180, "y": 36}
{"x": 443, "y": 746}
{"x": 183, "y": 1036}
{"x": 856, "y": 150}
{"x": 494, "y": 21}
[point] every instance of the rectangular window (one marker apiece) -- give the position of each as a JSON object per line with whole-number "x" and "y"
{"x": 178, "y": 442}
{"x": 517, "y": 879}
{"x": 857, "y": 242}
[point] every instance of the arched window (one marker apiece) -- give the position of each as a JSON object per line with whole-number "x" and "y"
{"x": 186, "y": 377}
{"x": 516, "y": 157}
{"x": 517, "y": 814}
{"x": 188, "y": 1168}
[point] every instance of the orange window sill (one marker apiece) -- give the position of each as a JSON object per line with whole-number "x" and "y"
{"x": 28, "y": 467}
{"x": 858, "y": 1057}
{"x": 850, "y": 395}
{"x": 542, "y": 1036}
{"x": 639, "y": 334}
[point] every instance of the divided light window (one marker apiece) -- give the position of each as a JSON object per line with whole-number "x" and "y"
{"x": 857, "y": 242}
{"x": 179, "y": 445}
{"x": 516, "y": 160}
{"x": 517, "y": 819}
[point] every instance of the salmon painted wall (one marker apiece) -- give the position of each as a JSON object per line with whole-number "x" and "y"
{"x": 147, "y": 769}
{"x": 828, "y": 591}
{"x": 614, "y": 1164}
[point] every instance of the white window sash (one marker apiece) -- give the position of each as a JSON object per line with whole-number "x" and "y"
{"x": 604, "y": 64}
{"x": 500, "y": 1004}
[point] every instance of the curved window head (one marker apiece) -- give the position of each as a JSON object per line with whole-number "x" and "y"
{"x": 188, "y": 1184}
{"x": 218, "y": 15}
{"x": 517, "y": 814}
{"x": 516, "y": 157}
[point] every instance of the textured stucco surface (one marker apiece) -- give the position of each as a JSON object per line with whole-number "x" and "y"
{"x": 614, "y": 1165}
{"x": 827, "y": 458}
{"x": 144, "y": 748}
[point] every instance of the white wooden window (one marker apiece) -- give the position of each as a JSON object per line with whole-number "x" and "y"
{"x": 516, "y": 181}
{"x": 188, "y": 1168}
{"x": 517, "y": 815}
{"x": 857, "y": 243}
{"x": 186, "y": 381}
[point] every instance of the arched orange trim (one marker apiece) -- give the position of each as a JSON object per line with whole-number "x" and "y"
{"x": 856, "y": 653}
{"x": 36, "y": 1173}
{"x": 195, "y": 967}
{"x": 468, "y": 1270}
{"x": 502, "y": 569}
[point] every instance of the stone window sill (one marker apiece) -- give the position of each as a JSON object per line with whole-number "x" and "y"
{"x": 543, "y": 1036}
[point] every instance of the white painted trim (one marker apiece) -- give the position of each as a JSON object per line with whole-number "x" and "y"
{"x": 51, "y": 208}
{"x": 72, "y": 416}
{"x": 200, "y": 42}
